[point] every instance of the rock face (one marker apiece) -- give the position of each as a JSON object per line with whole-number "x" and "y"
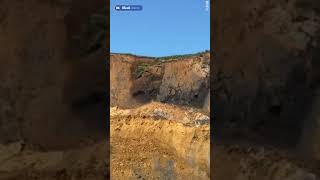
{"x": 122, "y": 76}
{"x": 26, "y": 55}
{"x": 52, "y": 98}
{"x": 206, "y": 105}
{"x": 40, "y": 90}
{"x": 137, "y": 80}
{"x": 186, "y": 81}
{"x": 266, "y": 69}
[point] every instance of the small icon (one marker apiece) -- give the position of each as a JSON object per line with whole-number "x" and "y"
{"x": 128, "y": 7}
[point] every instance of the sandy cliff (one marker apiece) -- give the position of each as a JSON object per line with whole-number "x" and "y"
{"x": 136, "y": 80}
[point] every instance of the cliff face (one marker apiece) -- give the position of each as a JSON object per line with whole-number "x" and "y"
{"x": 267, "y": 72}
{"x": 26, "y": 56}
{"x": 157, "y": 108}
{"x": 186, "y": 81}
{"x": 122, "y": 79}
{"x": 39, "y": 72}
{"x": 52, "y": 98}
{"x": 137, "y": 80}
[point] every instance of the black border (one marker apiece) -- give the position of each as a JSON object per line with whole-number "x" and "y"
{"x": 107, "y": 108}
{"x": 212, "y": 58}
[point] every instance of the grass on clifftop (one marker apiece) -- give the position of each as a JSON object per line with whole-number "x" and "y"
{"x": 164, "y": 58}
{"x": 175, "y": 57}
{"x": 141, "y": 68}
{"x": 180, "y": 56}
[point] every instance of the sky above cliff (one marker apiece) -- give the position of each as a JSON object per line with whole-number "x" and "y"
{"x": 162, "y": 28}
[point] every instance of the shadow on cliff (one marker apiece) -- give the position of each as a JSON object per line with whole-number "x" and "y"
{"x": 87, "y": 86}
{"x": 151, "y": 86}
{"x": 83, "y": 108}
{"x": 273, "y": 114}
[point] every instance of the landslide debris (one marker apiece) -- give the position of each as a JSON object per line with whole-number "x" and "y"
{"x": 159, "y": 141}
{"x": 160, "y": 124}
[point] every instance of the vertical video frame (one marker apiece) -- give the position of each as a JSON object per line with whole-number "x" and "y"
{"x": 159, "y": 89}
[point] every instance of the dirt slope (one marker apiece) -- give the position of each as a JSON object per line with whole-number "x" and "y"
{"x": 159, "y": 141}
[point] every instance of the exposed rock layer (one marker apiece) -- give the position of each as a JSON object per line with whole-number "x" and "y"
{"x": 144, "y": 140}
{"x": 137, "y": 80}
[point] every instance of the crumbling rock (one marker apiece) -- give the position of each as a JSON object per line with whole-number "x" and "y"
{"x": 179, "y": 81}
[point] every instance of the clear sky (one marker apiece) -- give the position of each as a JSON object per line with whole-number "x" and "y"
{"x": 162, "y": 28}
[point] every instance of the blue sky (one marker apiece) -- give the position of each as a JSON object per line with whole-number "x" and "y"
{"x": 162, "y": 28}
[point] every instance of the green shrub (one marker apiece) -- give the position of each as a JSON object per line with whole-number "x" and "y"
{"x": 141, "y": 68}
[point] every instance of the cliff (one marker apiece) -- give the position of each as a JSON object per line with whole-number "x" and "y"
{"x": 136, "y": 80}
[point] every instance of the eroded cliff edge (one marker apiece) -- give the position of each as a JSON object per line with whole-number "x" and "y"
{"x": 136, "y": 80}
